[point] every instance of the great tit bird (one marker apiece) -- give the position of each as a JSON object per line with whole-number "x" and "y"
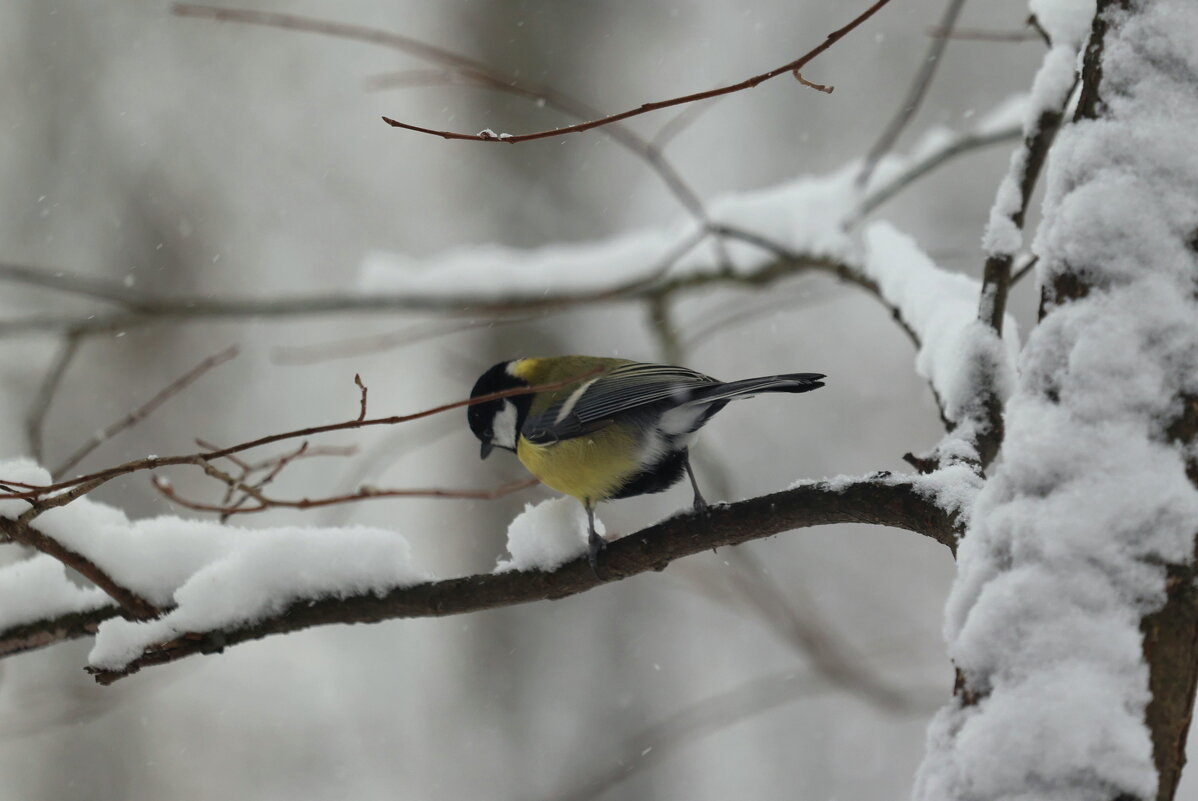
{"x": 623, "y": 429}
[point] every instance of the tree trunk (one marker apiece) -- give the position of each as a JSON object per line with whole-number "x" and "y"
{"x": 1074, "y": 618}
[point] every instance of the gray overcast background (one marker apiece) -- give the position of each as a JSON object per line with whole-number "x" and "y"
{"x": 187, "y": 156}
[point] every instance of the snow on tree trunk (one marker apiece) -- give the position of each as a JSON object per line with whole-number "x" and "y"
{"x": 1078, "y": 560}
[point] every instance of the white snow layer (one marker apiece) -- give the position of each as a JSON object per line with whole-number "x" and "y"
{"x": 1068, "y": 538}
{"x": 547, "y": 535}
{"x": 214, "y": 575}
{"x": 941, "y": 307}
{"x": 38, "y": 588}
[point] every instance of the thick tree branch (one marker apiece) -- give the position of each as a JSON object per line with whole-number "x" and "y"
{"x": 879, "y": 500}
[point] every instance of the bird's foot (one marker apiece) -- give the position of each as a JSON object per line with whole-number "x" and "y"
{"x": 595, "y": 544}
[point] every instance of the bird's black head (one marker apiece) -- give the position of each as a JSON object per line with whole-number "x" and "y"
{"x": 496, "y": 423}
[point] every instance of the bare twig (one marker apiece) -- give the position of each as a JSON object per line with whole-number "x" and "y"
{"x": 915, "y": 95}
{"x": 42, "y": 497}
{"x": 881, "y": 500}
{"x": 654, "y": 744}
{"x": 985, "y": 34}
{"x": 364, "y": 493}
{"x": 792, "y": 67}
{"x": 777, "y": 301}
{"x": 1021, "y": 270}
{"x": 962, "y": 144}
{"x": 807, "y": 632}
{"x": 36, "y": 420}
{"x": 146, "y": 409}
{"x": 272, "y": 465}
{"x": 86, "y": 286}
{"x": 465, "y": 70}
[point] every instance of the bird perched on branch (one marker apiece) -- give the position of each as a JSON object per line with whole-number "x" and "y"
{"x": 622, "y": 429}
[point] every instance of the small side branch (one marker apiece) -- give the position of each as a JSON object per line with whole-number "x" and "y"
{"x": 36, "y": 421}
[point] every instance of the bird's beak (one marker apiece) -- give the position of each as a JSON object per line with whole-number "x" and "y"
{"x": 485, "y": 451}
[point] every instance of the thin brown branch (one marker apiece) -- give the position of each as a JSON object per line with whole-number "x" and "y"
{"x": 51, "y": 381}
{"x": 657, "y": 743}
{"x": 462, "y": 69}
{"x": 654, "y": 744}
{"x": 791, "y": 67}
{"x": 41, "y": 497}
{"x": 915, "y": 95}
{"x": 132, "y": 603}
{"x": 273, "y": 466}
{"x": 146, "y": 409}
{"x": 958, "y": 146}
{"x": 364, "y": 493}
{"x": 877, "y": 500}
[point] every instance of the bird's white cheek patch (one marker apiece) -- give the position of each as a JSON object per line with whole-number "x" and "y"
{"x": 503, "y": 427}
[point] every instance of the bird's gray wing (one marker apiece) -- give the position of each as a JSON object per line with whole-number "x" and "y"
{"x": 599, "y": 401}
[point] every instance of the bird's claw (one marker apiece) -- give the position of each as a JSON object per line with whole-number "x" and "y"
{"x": 595, "y": 544}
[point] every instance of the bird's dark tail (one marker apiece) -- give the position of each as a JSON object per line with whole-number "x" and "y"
{"x": 793, "y": 382}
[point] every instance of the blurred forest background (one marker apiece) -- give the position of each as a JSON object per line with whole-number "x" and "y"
{"x": 192, "y": 157}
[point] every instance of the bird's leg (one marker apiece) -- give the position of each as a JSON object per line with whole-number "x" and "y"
{"x": 595, "y": 543}
{"x": 700, "y": 503}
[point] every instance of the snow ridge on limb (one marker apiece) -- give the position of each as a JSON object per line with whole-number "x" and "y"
{"x": 1064, "y": 564}
{"x": 959, "y": 355}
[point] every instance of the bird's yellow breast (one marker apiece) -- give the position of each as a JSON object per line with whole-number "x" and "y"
{"x": 591, "y": 468}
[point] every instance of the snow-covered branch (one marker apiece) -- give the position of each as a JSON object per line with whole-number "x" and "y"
{"x": 808, "y": 218}
{"x": 218, "y": 585}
